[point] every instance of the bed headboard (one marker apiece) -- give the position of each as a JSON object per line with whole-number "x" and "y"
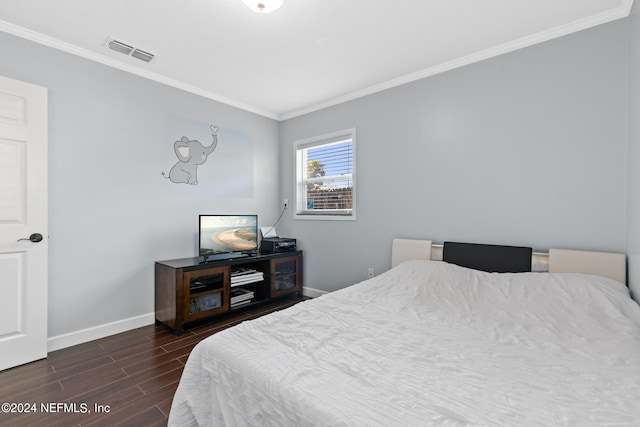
{"x": 407, "y": 249}
{"x": 604, "y": 264}
{"x": 490, "y": 258}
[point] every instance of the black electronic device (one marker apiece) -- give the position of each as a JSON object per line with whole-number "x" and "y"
{"x": 274, "y": 245}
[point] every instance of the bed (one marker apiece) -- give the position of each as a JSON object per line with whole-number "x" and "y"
{"x": 432, "y": 342}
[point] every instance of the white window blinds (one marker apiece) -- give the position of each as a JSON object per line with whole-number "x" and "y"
{"x": 325, "y": 169}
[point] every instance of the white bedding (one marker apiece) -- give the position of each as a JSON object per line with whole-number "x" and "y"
{"x": 427, "y": 343}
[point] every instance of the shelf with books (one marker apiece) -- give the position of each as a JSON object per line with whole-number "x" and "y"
{"x": 244, "y": 275}
{"x": 240, "y": 297}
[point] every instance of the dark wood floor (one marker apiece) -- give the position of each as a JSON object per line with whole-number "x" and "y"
{"x": 133, "y": 374}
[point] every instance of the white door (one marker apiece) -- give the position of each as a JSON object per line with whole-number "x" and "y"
{"x": 23, "y": 213}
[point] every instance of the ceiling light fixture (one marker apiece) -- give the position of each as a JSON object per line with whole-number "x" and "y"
{"x": 263, "y": 6}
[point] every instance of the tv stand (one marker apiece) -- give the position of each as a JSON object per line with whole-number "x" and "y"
{"x": 188, "y": 290}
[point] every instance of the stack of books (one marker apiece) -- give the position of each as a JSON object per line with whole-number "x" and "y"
{"x": 240, "y": 297}
{"x": 242, "y": 276}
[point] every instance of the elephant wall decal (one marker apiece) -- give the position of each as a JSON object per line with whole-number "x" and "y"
{"x": 191, "y": 154}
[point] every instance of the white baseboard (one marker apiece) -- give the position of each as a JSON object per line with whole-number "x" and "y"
{"x": 96, "y": 332}
{"x": 312, "y": 293}
{"x": 59, "y": 342}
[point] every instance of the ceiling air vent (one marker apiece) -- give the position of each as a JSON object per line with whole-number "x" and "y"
{"x": 142, "y": 55}
{"x": 130, "y": 50}
{"x": 120, "y": 47}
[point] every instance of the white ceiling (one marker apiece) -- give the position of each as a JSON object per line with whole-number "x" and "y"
{"x": 307, "y": 55}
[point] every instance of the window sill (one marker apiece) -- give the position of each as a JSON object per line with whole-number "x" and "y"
{"x": 325, "y": 217}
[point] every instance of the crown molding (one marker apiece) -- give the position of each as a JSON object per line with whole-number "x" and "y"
{"x": 141, "y": 72}
{"x": 543, "y": 36}
{"x": 621, "y": 12}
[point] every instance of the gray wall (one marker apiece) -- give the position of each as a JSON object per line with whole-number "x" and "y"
{"x": 110, "y": 214}
{"x": 527, "y": 149}
{"x": 633, "y": 155}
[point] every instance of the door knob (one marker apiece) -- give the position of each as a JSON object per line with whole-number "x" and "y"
{"x": 35, "y": 238}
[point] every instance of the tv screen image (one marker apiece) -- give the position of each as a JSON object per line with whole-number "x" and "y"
{"x": 228, "y": 233}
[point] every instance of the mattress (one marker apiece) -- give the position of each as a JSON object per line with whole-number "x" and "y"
{"x": 427, "y": 343}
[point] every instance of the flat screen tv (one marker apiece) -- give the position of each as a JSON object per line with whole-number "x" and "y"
{"x": 222, "y": 235}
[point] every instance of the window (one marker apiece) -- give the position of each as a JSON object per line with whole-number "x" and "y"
{"x": 326, "y": 176}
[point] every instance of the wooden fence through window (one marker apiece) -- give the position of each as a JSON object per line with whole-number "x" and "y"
{"x": 335, "y": 198}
